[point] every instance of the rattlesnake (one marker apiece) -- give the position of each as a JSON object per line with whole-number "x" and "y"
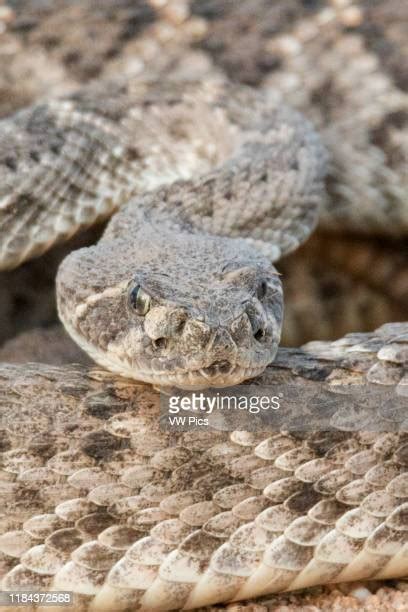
{"x": 181, "y": 290}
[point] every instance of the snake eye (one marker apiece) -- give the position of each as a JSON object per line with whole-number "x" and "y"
{"x": 262, "y": 289}
{"x": 139, "y": 300}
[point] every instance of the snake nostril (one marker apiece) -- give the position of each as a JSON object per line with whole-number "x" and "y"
{"x": 259, "y": 335}
{"x": 262, "y": 290}
{"x": 160, "y": 343}
{"x": 257, "y": 321}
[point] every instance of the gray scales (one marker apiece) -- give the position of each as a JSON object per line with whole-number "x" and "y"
{"x": 214, "y": 183}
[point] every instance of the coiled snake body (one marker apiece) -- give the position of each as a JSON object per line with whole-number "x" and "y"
{"x": 214, "y": 183}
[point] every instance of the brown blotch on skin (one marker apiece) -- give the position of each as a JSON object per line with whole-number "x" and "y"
{"x": 101, "y": 445}
{"x": 321, "y": 442}
{"x": 133, "y": 154}
{"x": 5, "y": 442}
{"x": 65, "y": 540}
{"x": 42, "y": 445}
{"x": 103, "y": 405}
{"x": 93, "y": 524}
{"x": 239, "y": 33}
{"x": 303, "y": 501}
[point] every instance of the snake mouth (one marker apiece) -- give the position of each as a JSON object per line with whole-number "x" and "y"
{"x": 216, "y": 369}
{"x": 218, "y": 375}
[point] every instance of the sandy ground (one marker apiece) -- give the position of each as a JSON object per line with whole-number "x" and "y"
{"x": 338, "y": 598}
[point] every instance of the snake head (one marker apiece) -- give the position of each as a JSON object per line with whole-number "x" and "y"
{"x": 196, "y": 312}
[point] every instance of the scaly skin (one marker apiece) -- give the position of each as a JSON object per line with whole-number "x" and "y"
{"x": 100, "y": 501}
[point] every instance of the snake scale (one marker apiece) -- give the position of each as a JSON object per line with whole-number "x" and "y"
{"x": 214, "y": 182}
